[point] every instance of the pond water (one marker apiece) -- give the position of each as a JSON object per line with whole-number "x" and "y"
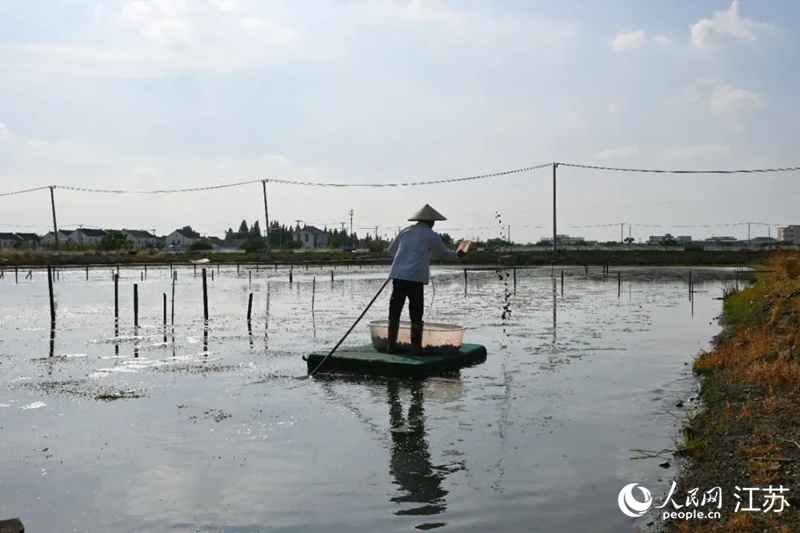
{"x": 215, "y": 430}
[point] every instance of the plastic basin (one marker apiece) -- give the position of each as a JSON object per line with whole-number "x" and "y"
{"x": 436, "y": 338}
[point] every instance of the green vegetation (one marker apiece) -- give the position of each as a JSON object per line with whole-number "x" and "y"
{"x": 201, "y": 245}
{"x": 115, "y": 241}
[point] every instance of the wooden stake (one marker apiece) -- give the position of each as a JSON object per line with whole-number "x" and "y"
{"x": 116, "y": 297}
{"x": 16, "y": 274}
{"x": 136, "y": 304}
{"x": 87, "y": 272}
{"x": 465, "y": 282}
{"x": 249, "y": 307}
{"x": 331, "y": 276}
{"x": 165, "y": 309}
{"x": 205, "y": 297}
{"x": 515, "y": 281}
{"x": 52, "y": 300}
{"x": 313, "y": 292}
{"x": 174, "y": 277}
{"x": 290, "y": 274}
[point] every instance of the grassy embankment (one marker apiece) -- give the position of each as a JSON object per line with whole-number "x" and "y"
{"x": 748, "y": 433}
{"x": 633, "y": 257}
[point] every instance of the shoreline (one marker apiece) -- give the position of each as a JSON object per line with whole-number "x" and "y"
{"x": 746, "y": 432}
{"x": 622, "y": 257}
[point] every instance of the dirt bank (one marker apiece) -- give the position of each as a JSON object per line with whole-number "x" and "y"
{"x": 747, "y": 433}
{"x": 623, "y": 256}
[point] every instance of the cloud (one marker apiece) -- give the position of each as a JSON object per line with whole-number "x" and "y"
{"x": 616, "y": 154}
{"x": 3, "y": 131}
{"x": 661, "y": 40}
{"x": 614, "y": 107}
{"x": 629, "y": 41}
{"x": 38, "y": 144}
{"x": 693, "y": 153}
{"x": 727, "y": 99}
{"x": 725, "y": 26}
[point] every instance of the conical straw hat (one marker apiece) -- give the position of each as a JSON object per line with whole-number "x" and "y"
{"x": 427, "y": 213}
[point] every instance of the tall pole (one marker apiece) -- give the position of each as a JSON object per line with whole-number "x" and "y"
{"x": 622, "y": 232}
{"x": 351, "y": 227}
{"x": 748, "y": 233}
{"x": 266, "y": 213}
{"x": 55, "y": 224}
{"x": 555, "y": 233}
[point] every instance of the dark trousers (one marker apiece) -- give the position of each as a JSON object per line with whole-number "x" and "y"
{"x": 414, "y": 291}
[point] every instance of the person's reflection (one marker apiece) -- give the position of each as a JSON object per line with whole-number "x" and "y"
{"x": 410, "y": 464}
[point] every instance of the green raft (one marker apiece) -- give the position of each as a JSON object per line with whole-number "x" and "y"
{"x": 366, "y": 360}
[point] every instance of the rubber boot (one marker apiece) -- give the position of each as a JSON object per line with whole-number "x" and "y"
{"x": 394, "y": 328}
{"x": 416, "y": 339}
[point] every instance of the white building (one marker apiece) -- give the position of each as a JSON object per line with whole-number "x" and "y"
{"x": 178, "y": 239}
{"x": 789, "y": 234}
{"x": 140, "y": 238}
{"x": 311, "y": 237}
{"x": 63, "y": 236}
{"x": 85, "y": 236}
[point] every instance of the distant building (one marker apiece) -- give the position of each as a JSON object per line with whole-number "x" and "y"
{"x": 9, "y": 240}
{"x": 311, "y": 237}
{"x": 30, "y": 240}
{"x": 763, "y": 240}
{"x": 178, "y": 239}
{"x": 563, "y": 240}
{"x": 140, "y": 238}
{"x": 658, "y": 239}
{"x": 789, "y": 234}
{"x": 88, "y": 236}
{"x": 49, "y": 238}
{"x": 723, "y": 241}
{"x": 216, "y": 242}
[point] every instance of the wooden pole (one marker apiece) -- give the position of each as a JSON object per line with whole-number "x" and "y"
{"x": 313, "y": 292}
{"x": 562, "y": 283}
{"x": 266, "y": 215}
{"x": 55, "y": 224}
{"x": 331, "y": 276}
{"x": 205, "y": 297}
{"x": 465, "y": 282}
{"x": 619, "y": 282}
{"x": 145, "y": 271}
{"x": 555, "y": 232}
{"x": 116, "y": 297}
{"x": 136, "y": 304}
{"x": 165, "y": 309}
{"x": 249, "y": 307}
{"x": 16, "y": 274}
{"x": 195, "y": 270}
{"x": 515, "y": 281}
{"x": 141, "y": 276}
{"x": 52, "y": 300}
{"x": 290, "y": 273}
{"x": 87, "y": 272}
{"x": 249, "y": 276}
{"x": 174, "y": 277}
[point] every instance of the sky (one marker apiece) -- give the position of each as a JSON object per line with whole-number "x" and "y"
{"x": 171, "y": 94}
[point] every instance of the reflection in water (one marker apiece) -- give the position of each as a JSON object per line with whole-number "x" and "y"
{"x": 205, "y": 337}
{"x": 410, "y": 463}
{"x": 116, "y": 336}
{"x": 52, "y": 338}
{"x": 136, "y": 341}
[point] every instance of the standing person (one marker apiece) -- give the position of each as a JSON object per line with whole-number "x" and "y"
{"x": 411, "y": 271}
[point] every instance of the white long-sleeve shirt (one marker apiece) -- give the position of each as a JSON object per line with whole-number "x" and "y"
{"x": 412, "y": 249}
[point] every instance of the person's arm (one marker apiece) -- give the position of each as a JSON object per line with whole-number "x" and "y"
{"x": 440, "y": 248}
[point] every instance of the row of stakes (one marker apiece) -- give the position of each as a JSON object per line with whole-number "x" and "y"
{"x": 54, "y": 274}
